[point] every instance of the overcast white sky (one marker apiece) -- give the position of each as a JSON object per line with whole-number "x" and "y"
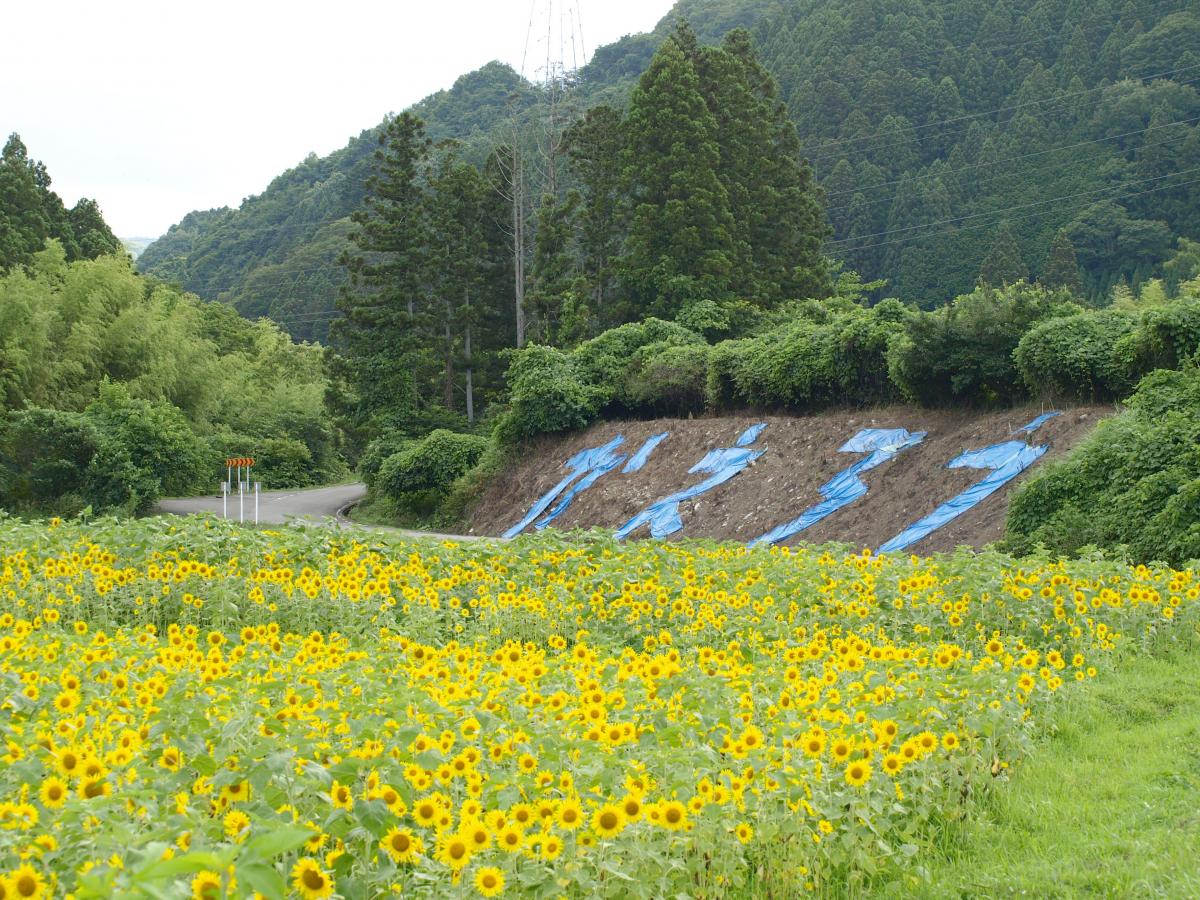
{"x": 159, "y": 107}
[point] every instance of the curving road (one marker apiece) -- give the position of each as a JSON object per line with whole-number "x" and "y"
{"x": 321, "y": 506}
{"x": 274, "y": 507}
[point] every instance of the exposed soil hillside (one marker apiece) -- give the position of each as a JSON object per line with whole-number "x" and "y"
{"x": 801, "y": 455}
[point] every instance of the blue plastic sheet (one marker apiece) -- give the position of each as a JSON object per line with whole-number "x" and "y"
{"x": 584, "y": 463}
{"x": 663, "y": 515}
{"x": 750, "y": 435}
{"x": 1037, "y": 423}
{"x": 844, "y": 488}
{"x": 639, "y": 459}
{"x": 1006, "y": 460}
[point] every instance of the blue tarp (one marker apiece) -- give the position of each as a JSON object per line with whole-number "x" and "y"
{"x": 1006, "y": 460}
{"x": 601, "y": 468}
{"x": 750, "y": 435}
{"x": 663, "y": 515}
{"x": 596, "y": 459}
{"x": 639, "y": 459}
{"x": 846, "y": 487}
{"x": 1037, "y": 423}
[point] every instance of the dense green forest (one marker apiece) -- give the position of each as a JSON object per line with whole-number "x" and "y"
{"x": 116, "y": 388}
{"x": 30, "y": 213}
{"x": 690, "y": 205}
{"x": 942, "y": 133}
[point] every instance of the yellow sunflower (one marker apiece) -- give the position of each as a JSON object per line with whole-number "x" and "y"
{"x": 674, "y": 815}
{"x": 489, "y": 881}
{"x": 27, "y": 883}
{"x": 570, "y": 814}
{"x": 206, "y": 886}
{"x": 608, "y": 820}
{"x": 858, "y": 773}
{"x": 402, "y": 845}
{"x": 53, "y": 792}
{"x": 310, "y": 880}
{"x": 455, "y": 851}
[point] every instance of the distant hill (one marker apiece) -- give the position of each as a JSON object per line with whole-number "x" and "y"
{"x": 135, "y": 246}
{"x": 943, "y": 132}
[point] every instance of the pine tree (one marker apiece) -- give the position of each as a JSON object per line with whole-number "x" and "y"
{"x": 381, "y": 339}
{"x": 681, "y": 242}
{"x": 1062, "y": 268}
{"x": 1003, "y": 263}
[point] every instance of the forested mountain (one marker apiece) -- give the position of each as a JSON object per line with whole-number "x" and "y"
{"x": 939, "y": 128}
{"x": 943, "y": 133}
{"x": 276, "y": 255}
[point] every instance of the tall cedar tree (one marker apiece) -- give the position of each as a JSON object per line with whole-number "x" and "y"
{"x": 681, "y": 244}
{"x": 1003, "y": 264}
{"x": 381, "y": 340}
{"x": 780, "y": 226}
{"x": 1062, "y": 268}
{"x": 594, "y": 145}
{"x": 462, "y": 260}
{"x": 560, "y": 307}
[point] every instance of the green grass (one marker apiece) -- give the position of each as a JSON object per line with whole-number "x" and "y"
{"x": 1108, "y": 806}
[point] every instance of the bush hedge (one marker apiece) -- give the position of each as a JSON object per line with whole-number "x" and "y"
{"x": 431, "y": 464}
{"x": 992, "y": 347}
{"x": 1135, "y": 482}
{"x": 1081, "y": 357}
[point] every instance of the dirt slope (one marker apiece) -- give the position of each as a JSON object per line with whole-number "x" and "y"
{"x": 801, "y": 455}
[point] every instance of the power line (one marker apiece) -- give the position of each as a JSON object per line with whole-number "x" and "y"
{"x": 329, "y": 316}
{"x": 1007, "y": 209}
{"x": 1023, "y": 173}
{"x": 1020, "y": 218}
{"x": 1015, "y": 158}
{"x": 967, "y": 116}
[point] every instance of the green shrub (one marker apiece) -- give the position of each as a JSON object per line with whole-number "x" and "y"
{"x": 602, "y": 362}
{"x": 387, "y": 444}
{"x": 431, "y": 464}
{"x": 1078, "y": 357}
{"x": 824, "y": 357}
{"x": 963, "y": 353}
{"x": 1167, "y": 336}
{"x": 284, "y": 463}
{"x": 155, "y": 439}
{"x": 546, "y": 394}
{"x": 667, "y": 379}
{"x": 47, "y": 456}
{"x": 1134, "y": 483}
{"x": 468, "y": 488}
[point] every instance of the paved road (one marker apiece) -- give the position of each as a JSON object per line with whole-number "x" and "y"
{"x": 319, "y": 505}
{"x": 274, "y": 507}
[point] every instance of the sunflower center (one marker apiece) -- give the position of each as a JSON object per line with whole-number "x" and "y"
{"x": 313, "y": 880}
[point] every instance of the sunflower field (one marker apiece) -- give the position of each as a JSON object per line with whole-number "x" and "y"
{"x": 191, "y": 709}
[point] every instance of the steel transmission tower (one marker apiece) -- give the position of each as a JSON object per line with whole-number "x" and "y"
{"x": 554, "y": 53}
